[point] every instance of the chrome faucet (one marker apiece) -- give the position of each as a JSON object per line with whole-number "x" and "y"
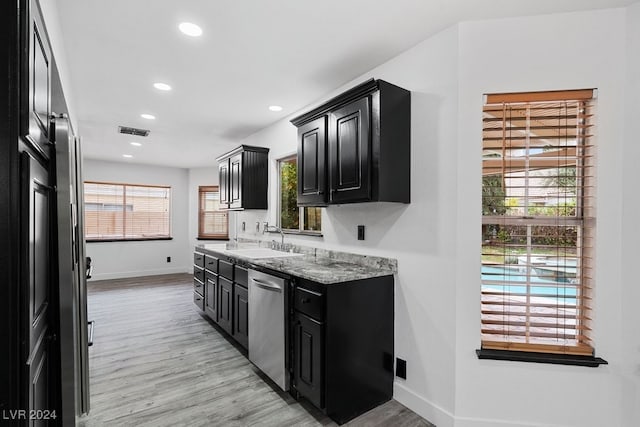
{"x": 273, "y": 229}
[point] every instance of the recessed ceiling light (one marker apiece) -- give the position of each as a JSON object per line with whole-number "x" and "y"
{"x": 135, "y": 144}
{"x": 127, "y": 156}
{"x": 190, "y": 29}
{"x": 148, "y": 116}
{"x": 162, "y": 86}
{"x": 275, "y": 108}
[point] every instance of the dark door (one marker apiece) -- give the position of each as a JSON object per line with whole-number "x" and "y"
{"x": 241, "y": 315}
{"x": 308, "y": 361}
{"x": 37, "y": 208}
{"x": 223, "y": 175}
{"x": 235, "y": 181}
{"x": 211, "y": 296}
{"x": 312, "y": 181}
{"x": 349, "y": 152}
{"x": 225, "y": 304}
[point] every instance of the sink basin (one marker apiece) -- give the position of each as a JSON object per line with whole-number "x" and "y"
{"x": 257, "y": 253}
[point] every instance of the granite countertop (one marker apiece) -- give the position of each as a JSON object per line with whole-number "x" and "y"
{"x": 319, "y": 265}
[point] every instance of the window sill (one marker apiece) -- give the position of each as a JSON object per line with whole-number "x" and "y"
{"x": 213, "y": 238}
{"x": 300, "y": 233}
{"x": 128, "y": 240}
{"x": 556, "y": 359}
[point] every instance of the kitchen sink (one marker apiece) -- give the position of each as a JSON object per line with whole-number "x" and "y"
{"x": 257, "y": 253}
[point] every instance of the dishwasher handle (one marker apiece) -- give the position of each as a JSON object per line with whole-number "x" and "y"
{"x": 266, "y": 285}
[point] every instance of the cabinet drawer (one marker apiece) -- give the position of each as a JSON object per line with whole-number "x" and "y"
{"x": 211, "y": 263}
{"x": 198, "y": 287}
{"x": 241, "y": 276}
{"x": 198, "y": 259}
{"x": 198, "y": 274}
{"x": 225, "y": 269}
{"x": 309, "y": 302}
{"x": 198, "y": 300}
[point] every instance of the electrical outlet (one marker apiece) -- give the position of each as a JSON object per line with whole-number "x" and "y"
{"x": 243, "y": 225}
{"x": 168, "y": 259}
{"x": 401, "y": 368}
{"x": 361, "y": 232}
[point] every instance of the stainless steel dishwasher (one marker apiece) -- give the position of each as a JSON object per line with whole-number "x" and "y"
{"x": 267, "y": 326}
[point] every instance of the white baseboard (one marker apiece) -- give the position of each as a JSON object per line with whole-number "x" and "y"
{"x": 422, "y": 406}
{"x": 443, "y": 418}
{"x": 140, "y": 273}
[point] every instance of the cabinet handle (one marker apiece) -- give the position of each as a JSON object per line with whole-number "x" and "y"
{"x": 305, "y": 300}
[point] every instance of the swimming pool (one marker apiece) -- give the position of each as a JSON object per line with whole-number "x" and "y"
{"x": 512, "y": 280}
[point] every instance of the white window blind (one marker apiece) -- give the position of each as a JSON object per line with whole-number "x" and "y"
{"x": 212, "y": 222}
{"x": 126, "y": 211}
{"x": 538, "y": 188}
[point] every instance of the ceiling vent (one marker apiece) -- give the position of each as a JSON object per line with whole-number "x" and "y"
{"x": 133, "y": 131}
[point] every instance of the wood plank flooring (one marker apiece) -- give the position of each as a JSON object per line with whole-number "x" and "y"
{"x": 156, "y": 361}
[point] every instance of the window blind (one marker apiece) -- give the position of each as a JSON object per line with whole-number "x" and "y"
{"x": 126, "y": 211}
{"x": 212, "y": 222}
{"x": 538, "y": 207}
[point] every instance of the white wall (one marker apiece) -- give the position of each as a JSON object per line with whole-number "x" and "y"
{"x": 437, "y": 237}
{"x": 141, "y": 258}
{"x": 629, "y": 370}
{"x": 579, "y": 50}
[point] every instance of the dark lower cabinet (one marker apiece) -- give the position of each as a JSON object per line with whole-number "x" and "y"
{"x": 241, "y": 315}
{"x": 225, "y": 305}
{"x": 342, "y": 346}
{"x": 211, "y": 297}
{"x": 308, "y": 351}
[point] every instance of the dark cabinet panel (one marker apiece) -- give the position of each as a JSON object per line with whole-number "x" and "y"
{"x": 245, "y": 173}
{"x": 308, "y": 364}
{"x": 198, "y": 259}
{"x": 198, "y": 300}
{"x": 37, "y": 128}
{"x": 349, "y": 152}
{"x": 368, "y": 140}
{"x": 198, "y": 287}
{"x": 225, "y": 304}
{"x": 211, "y": 296}
{"x": 312, "y": 180}
{"x": 198, "y": 273}
{"x": 211, "y": 264}
{"x": 235, "y": 181}
{"x": 241, "y": 315}
{"x": 223, "y": 185}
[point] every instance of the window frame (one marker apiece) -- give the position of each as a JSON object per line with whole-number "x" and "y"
{"x": 201, "y": 212}
{"x": 301, "y": 224}
{"x": 584, "y": 221}
{"x": 124, "y": 186}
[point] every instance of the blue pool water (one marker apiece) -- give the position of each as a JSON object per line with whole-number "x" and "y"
{"x": 507, "y": 279}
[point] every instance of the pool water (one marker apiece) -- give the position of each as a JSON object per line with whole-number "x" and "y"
{"x": 507, "y": 279}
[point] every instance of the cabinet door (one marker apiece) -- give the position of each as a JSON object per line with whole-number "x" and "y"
{"x": 350, "y": 152}
{"x": 308, "y": 358}
{"x": 225, "y": 304}
{"x": 235, "y": 181}
{"x": 37, "y": 128}
{"x": 211, "y": 296}
{"x": 223, "y": 175}
{"x": 312, "y": 180}
{"x": 241, "y": 315}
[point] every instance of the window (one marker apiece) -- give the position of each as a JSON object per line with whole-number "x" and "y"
{"x": 126, "y": 212}
{"x": 212, "y": 222}
{"x": 292, "y": 217}
{"x": 538, "y": 222}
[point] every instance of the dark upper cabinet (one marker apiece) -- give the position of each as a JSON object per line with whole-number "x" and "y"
{"x": 365, "y": 153}
{"x": 350, "y": 152}
{"x": 36, "y": 125}
{"x": 223, "y": 176}
{"x": 312, "y": 179}
{"x": 244, "y": 176}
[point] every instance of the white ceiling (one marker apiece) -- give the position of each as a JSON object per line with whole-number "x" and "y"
{"x": 253, "y": 53}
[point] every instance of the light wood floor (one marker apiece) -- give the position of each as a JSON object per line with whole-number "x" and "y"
{"x": 156, "y": 361}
